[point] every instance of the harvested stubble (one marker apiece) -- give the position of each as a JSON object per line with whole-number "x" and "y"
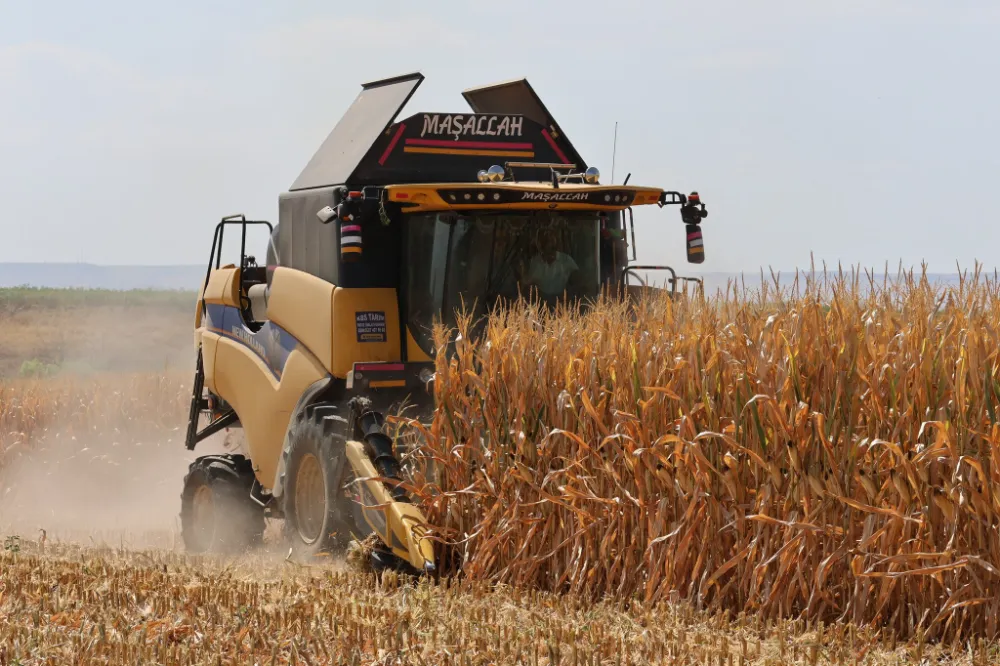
{"x": 63, "y": 604}
{"x": 827, "y": 452}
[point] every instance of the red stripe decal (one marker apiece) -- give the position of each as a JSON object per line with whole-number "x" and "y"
{"x": 392, "y": 144}
{"x": 388, "y": 367}
{"x": 351, "y": 227}
{"x": 438, "y": 143}
{"x": 555, "y": 147}
{"x": 693, "y": 235}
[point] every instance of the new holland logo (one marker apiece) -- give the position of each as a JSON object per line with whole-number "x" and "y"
{"x": 556, "y": 196}
{"x": 249, "y": 339}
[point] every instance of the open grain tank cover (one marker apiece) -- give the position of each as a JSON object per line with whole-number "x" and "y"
{"x": 374, "y": 109}
{"x": 517, "y": 96}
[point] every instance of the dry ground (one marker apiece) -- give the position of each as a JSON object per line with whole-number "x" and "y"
{"x": 69, "y": 604}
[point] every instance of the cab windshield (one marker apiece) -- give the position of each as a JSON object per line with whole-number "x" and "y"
{"x": 480, "y": 259}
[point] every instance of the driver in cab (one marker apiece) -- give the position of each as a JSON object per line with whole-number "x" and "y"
{"x": 550, "y": 270}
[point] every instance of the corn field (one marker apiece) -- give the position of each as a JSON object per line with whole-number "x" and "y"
{"x": 828, "y": 451}
{"x": 107, "y": 405}
{"x": 797, "y": 475}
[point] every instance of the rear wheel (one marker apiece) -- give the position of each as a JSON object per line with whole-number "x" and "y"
{"x": 217, "y": 513}
{"x": 316, "y": 510}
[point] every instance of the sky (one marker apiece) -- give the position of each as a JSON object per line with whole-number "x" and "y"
{"x": 860, "y": 132}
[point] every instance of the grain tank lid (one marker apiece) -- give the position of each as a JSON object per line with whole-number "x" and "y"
{"x": 372, "y": 112}
{"x": 517, "y": 96}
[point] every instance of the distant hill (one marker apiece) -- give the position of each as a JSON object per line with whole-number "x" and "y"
{"x": 91, "y": 276}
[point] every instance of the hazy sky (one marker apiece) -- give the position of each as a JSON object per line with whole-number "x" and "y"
{"x": 861, "y": 131}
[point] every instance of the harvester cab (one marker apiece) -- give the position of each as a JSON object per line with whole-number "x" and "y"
{"x": 391, "y": 226}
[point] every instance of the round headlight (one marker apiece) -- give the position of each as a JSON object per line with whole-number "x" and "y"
{"x": 592, "y": 175}
{"x": 482, "y": 176}
{"x": 495, "y": 173}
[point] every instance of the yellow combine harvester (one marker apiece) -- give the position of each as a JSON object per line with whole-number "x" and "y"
{"x": 391, "y": 225}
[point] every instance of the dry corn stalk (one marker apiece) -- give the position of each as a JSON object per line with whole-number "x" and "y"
{"x": 825, "y": 452}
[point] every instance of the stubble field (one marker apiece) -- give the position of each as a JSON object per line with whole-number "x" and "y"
{"x": 799, "y": 477}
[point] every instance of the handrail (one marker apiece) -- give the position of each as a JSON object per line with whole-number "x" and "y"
{"x": 215, "y": 255}
{"x": 652, "y": 267}
{"x": 674, "y": 279}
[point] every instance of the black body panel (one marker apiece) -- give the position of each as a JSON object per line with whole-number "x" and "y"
{"x": 454, "y": 147}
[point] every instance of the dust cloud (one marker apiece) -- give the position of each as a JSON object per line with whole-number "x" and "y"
{"x": 120, "y": 485}
{"x": 104, "y": 460}
{"x": 104, "y": 489}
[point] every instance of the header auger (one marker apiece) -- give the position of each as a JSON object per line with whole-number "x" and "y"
{"x": 391, "y": 224}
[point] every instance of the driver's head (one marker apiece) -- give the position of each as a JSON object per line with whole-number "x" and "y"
{"x": 547, "y": 246}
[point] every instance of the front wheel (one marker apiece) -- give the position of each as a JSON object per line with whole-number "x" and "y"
{"x": 317, "y": 513}
{"x": 218, "y": 515}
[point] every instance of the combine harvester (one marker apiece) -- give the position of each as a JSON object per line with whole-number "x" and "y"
{"x": 391, "y": 225}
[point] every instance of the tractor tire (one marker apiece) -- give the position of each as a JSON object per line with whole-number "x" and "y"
{"x": 217, "y": 513}
{"x": 318, "y": 516}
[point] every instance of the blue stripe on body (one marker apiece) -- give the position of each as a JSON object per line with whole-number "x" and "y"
{"x": 272, "y": 344}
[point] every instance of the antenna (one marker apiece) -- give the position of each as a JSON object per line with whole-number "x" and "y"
{"x": 614, "y": 151}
